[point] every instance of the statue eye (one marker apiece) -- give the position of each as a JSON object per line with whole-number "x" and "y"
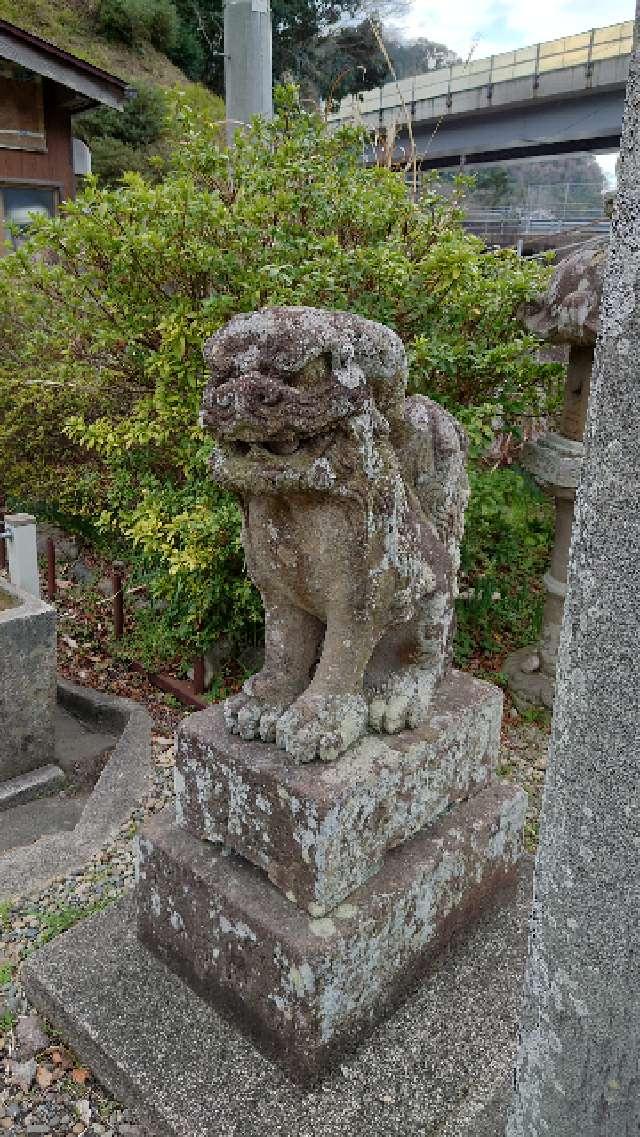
{"x": 314, "y": 371}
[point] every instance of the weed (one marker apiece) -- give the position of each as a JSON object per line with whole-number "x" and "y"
{"x": 7, "y": 1022}
{"x": 537, "y": 716}
{"x": 55, "y": 923}
{"x": 505, "y": 550}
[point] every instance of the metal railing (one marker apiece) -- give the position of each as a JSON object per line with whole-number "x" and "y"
{"x": 583, "y": 49}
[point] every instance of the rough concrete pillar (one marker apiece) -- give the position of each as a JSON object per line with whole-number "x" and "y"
{"x": 22, "y": 552}
{"x": 578, "y": 1069}
{"x": 248, "y": 67}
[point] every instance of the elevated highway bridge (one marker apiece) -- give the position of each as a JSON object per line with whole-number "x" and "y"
{"x": 557, "y": 97}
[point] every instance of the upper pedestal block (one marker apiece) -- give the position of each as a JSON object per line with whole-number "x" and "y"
{"x": 320, "y": 830}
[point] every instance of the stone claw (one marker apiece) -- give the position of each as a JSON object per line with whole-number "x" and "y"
{"x": 232, "y": 708}
{"x": 403, "y": 703}
{"x": 249, "y": 720}
{"x": 320, "y": 727}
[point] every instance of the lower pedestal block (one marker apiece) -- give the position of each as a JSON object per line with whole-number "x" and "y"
{"x": 309, "y": 989}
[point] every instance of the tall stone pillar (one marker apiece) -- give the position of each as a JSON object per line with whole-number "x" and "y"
{"x": 578, "y": 1069}
{"x": 566, "y": 314}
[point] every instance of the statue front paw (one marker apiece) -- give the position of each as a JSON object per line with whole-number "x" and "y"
{"x": 321, "y": 726}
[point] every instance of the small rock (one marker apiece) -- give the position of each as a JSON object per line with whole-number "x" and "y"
{"x": 31, "y": 1037}
{"x": 66, "y": 546}
{"x": 82, "y": 574}
{"x": 44, "y": 1077}
{"x": 530, "y": 664}
{"x": 23, "y": 1073}
{"x": 83, "y": 1109}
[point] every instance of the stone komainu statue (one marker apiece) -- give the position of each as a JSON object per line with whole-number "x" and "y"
{"x": 353, "y": 499}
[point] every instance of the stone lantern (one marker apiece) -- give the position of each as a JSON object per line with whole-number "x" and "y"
{"x": 567, "y": 313}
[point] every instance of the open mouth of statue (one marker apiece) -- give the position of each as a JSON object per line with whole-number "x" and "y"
{"x": 279, "y": 447}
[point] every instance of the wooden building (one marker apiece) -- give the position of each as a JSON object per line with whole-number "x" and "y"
{"x": 41, "y": 88}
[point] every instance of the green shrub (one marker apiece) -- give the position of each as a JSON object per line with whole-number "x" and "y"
{"x": 127, "y": 140}
{"x": 164, "y": 27}
{"x": 508, "y": 530}
{"x": 108, "y": 318}
{"x": 188, "y": 53}
{"x": 139, "y": 123}
{"x": 135, "y": 22}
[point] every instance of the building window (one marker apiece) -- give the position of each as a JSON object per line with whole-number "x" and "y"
{"x": 18, "y": 204}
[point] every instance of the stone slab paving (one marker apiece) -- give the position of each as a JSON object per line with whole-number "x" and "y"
{"x": 437, "y": 1068}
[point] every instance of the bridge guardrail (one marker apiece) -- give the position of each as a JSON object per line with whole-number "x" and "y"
{"x": 585, "y": 48}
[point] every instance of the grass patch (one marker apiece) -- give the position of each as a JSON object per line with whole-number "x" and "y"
{"x": 53, "y": 924}
{"x": 6, "y": 974}
{"x": 505, "y": 551}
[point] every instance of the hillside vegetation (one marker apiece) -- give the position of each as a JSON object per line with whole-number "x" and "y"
{"x": 73, "y": 26}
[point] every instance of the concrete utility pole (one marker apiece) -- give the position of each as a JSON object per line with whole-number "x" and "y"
{"x": 248, "y": 68}
{"x": 578, "y": 1070}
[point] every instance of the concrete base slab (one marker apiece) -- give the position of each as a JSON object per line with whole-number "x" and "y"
{"x": 24, "y": 824}
{"x": 81, "y": 748}
{"x": 528, "y": 688}
{"x": 65, "y": 831}
{"x": 432, "y": 1070}
{"x": 322, "y": 829}
{"x": 307, "y": 989}
{"x": 26, "y": 787}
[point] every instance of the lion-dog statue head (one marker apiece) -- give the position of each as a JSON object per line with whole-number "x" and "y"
{"x": 353, "y": 501}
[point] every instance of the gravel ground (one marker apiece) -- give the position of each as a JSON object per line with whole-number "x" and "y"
{"x": 47, "y": 1090}
{"x": 523, "y": 759}
{"x": 44, "y": 1089}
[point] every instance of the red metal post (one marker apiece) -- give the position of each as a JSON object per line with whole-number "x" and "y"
{"x": 51, "y": 570}
{"x": 198, "y": 675}
{"x": 118, "y": 600}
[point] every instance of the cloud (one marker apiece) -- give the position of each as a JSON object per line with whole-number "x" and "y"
{"x": 491, "y": 26}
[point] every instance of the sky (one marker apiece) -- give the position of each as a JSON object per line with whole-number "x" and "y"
{"x": 485, "y": 27}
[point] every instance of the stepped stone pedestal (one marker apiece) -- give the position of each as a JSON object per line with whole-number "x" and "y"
{"x": 306, "y": 901}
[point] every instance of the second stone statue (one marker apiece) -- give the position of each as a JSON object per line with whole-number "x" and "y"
{"x": 353, "y": 499}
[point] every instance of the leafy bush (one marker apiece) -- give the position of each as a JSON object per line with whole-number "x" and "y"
{"x": 127, "y": 140}
{"x": 135, "y": 21}
{"x": 505, "y": 550}
{"x": 104, "y": 312}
